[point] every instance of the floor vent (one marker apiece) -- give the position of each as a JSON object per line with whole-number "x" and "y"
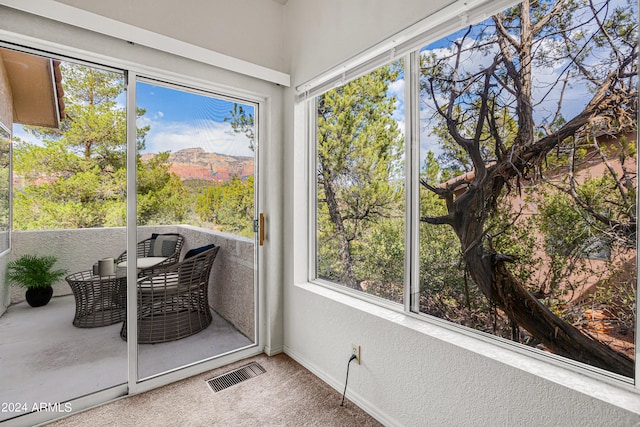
{"x": 236, "y": 376}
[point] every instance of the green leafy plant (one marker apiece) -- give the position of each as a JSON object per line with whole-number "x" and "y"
{"x": 33, "y": 271}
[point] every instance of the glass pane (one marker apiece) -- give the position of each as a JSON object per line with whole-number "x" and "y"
{"x": 5, "y": 188}
{"x": 528, "y": 180}
{"x": 69, "y": 151}
{"x": 360, "y": 184}
{"x": 196, "y": 168}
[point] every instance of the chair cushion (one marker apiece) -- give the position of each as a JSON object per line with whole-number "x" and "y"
{"x": 145, "y": 262}
{"x": 164, "y": 283}
{"x": 163, "y": 244}
{"x": 196, "y": 251}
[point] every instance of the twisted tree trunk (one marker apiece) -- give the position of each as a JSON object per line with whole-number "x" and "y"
{"x": 468, "y": 213}
{"x": 344, "y": 251}
{"x": 489, "y": 272}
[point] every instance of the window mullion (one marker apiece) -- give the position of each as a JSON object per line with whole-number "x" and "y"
{"x": 412, "y": 210}
{"x": 311, "y": 120}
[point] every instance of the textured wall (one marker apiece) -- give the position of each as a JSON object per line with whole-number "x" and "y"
{"x": 76, "y": 250}
{"x": 231, "y": 288}
{"x": 414, "y": 373}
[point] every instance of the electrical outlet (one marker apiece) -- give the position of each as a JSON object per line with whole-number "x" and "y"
{"x": 355, "y": 349}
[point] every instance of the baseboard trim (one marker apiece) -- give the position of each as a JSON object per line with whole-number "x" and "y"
{"x": 272, "y": 351}
{"x": 338, "y": 385}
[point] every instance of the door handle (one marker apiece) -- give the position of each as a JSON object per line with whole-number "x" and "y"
{"x": 261, "y": 230}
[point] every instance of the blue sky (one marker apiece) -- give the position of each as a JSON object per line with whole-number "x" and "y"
{"x": 181, "y": 119}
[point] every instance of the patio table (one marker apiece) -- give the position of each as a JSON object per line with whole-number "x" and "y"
{"x": 142, "y": 264}
{"x": 100, "y": 300}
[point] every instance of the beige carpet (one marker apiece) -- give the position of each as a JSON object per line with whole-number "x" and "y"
{"x": 286, "y": 395}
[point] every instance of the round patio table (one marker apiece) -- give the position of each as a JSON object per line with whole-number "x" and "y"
{"x": 100, "y": 300}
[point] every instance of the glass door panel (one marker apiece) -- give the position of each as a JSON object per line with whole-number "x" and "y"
{"x": 195, "y": 216}
{"x": 67, "y": 215}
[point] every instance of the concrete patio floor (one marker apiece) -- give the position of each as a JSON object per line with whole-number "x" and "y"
{"x": 46, "y": 359}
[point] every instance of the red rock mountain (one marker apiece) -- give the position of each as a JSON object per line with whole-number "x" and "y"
{"x": 195, "y": 163}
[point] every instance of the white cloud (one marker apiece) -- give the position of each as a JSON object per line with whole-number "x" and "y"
{"x": 396, "y": 89}
{"x": 213, "y": 137}
{"x": 19, "y": 132}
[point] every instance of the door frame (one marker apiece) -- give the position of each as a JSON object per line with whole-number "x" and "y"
{"x": 131, "y": 69}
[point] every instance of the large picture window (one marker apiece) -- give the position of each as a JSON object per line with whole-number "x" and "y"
{"x": 525, "y": 218}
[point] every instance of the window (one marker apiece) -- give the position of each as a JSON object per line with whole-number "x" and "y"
{"x": 204, "y": 146}
{"x": 525, "y": 181}
{"x": 196, "y": 155}
{"x": 360, "y": 184}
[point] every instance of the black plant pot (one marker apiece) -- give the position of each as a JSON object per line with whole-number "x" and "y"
{"x": 37, "y": 297}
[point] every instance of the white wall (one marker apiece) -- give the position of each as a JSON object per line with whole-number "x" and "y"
{"x": 252, "y": 30}
{"x": 322, "y": 34}
{"x": 412, "y": 372}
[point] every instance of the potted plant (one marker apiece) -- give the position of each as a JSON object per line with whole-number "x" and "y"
{"x": 36, "y": 274}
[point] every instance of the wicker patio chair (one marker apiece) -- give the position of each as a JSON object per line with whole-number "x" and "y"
{"x": 158, "y": 245}
{"x": 173, "y": 302}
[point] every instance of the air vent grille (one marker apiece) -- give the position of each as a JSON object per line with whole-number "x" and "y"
{"x": 236, "y": 376}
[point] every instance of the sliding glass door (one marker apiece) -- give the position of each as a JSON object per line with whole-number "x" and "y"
{"x": 196, "y": 189}
{"x": 180, "y": 261}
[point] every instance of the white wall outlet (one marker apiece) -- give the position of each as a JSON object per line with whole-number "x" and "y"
{"x": 355, "y": 349}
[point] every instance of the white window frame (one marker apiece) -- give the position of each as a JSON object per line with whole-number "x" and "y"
{"x": 408, "y": 43}
{"x": 10, "y": 192}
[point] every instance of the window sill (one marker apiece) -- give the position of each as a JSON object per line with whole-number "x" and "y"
{"x": 615, "y": 391}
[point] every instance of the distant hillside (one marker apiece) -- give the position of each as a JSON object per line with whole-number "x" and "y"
{"x": 195, "y": 163}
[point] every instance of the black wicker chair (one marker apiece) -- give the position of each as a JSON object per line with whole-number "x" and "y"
{"x": 173, "y": 301}
{"x": 146, "y": 248}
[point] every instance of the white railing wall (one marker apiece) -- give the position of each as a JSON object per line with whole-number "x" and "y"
{"x": 231, "y": 286}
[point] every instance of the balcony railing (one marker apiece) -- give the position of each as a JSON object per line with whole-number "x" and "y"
{"x": 231, "y": 286}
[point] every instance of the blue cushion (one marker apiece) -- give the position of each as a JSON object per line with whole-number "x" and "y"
{"x": 196, "y": 251}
